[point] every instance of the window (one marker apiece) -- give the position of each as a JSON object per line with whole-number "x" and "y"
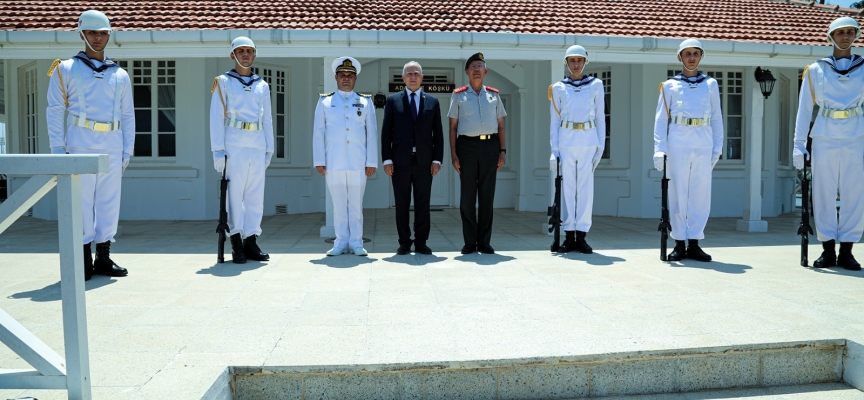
{"x": 275, "y": 78}
{"x": 28, "y": 111}
{"x": 606, "y": 78}
{"x": 731, "y": 84}
{"x": 153, "y": 92}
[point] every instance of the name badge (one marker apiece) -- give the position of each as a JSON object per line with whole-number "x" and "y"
{"x": 844, "y": 78}
{"x": 247, "y": 89}
{"x": 98, "y": 75}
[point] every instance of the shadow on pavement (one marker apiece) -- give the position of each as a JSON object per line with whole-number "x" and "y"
{"x": 484, "y": 259}
{"x": 52, "y": 291}
{"x": 838, "y": 271}
{"x": 344, "y": 261}
{"x": 718, "y": 266}
{"x": 229, "y": 268}
{"x": 414, "y": 259}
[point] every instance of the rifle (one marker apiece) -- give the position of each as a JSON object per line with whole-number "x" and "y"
{"x": 554, "y": 212}
{"x": 805, "y": 227}
{"x": 665, "y": 226}
{"x": 222, "y": 228}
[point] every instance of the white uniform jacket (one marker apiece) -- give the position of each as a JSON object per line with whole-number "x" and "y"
{"x": 96, "y": 85}
{"x": 831, "y": 89}
{"x": 248, "y": 98}
{"x": 579, "y": 101}
{"x": 691, "y": 98}
{"x": 345, "y": 132}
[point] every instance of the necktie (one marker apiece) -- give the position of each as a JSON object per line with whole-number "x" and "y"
{"x": 413, "y": 107}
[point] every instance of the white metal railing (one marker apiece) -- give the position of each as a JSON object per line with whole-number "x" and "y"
{"x": 51, "y": 371}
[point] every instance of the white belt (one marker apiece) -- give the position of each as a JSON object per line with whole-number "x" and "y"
{"x": 246, "y": 126}
{"x": 691, "y": 121}
{"x": 95, "y": 125}
{"x": 577, "y": 126}
{"x": 841, "y": 114}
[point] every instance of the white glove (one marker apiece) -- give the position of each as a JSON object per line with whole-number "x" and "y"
{"x": 219, "y": 161}
{"x": 126, "y": 159}
{"x": 798, "y": 154}
{"x": 658, "y": 160}
{"x": 714, "y": 159}
{"x": 553, "y": 163}
{"x": 58, "y": 150}
{"x": 597, "y": 156}
{"x": 267, "y": 157}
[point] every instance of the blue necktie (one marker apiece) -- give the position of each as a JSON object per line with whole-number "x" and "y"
{"x": 413, "y": 107}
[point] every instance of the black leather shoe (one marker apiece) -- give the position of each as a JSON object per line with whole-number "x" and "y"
{"x": 238, "y": 253}
{"x": 88, "y": 262}
{"x": 252, "y": 251}
{"x": 846, "y": 259}
{"x": 403, "y": 250}
{"x": 828, "y": 257}
{"x": 469, "y": 248}
{"x": 581, "y": 245}
{"x": 569, "y": 242}
{"x": 103, "y": 265}
{"x": 695, "y": 252}
{"x": 486, "y": 249}
{"x": 678, "y": 253}
{"x": 422, "y": 248}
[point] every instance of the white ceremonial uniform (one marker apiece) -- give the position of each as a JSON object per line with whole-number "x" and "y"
{"x": 688, "y": 128}
{"x": 100, "y": 120}
{"x": 838, "y": 144}
{"x": 241, "y": 126}
{"x": 577, "y": 134}
{"x": 344, "y": 140}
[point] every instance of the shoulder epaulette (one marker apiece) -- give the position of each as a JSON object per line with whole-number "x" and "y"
{"x": 492, "y": 89}
{"x": 215, "y": 84}
{"x": 368, "y": 96}
{"x": 460, "y": 89}
{"x": 326, "y": 94}
{"x": 550, "y": 92}
{"x": 54, "y": 65}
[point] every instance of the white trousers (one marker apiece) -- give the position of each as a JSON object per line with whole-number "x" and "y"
{"x": 246, "y": 170}
{"x": 838, "y": 167}
{"x": 346, "y": 190}
{"x": 100, "y": 197}
{"x": 689, "y": 173}
{"x": 577, "y": 187}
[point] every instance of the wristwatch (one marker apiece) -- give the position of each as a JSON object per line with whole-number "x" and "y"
{"x": 503, "y": 151}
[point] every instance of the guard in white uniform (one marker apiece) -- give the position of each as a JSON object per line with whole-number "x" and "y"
{"x": 241, "y": 129}
{"x": 345, "y": 152}
{"x": 97, "y": 95}
{"x": 836, "y": 85}
{"x": 688, "y": 132}
{"x": 578, "y": 138}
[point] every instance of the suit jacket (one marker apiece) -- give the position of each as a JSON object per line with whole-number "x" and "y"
{"x": 399, "y": 132}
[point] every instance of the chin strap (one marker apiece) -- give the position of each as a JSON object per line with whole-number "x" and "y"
{"x": 237, "y": 60}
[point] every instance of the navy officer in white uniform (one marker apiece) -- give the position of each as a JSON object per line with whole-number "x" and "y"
{"x": 241, "y": 130}
{"x": 688, "y": 130}
{"x": 97, "y": 94}
{"x": 836, "y": 84}
{"x": 578, "y": 138}
{"x": 345, "y": 153}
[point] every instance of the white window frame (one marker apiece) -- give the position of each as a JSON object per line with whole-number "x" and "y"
{"x": 28, "y": 92}
{"x": 277, "y": 79}
{"x": 605, "y": 76}
{"x": 737, "y": 89}
{"x": 162, "y": 72}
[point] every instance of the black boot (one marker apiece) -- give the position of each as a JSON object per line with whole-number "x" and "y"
{"x": 569, "y": 242}
{"x": 828, "y": 257}
{"x": 846, "y": 259}
{"x": 253, "y": 252}
{"x": 88, "y": 262}
{"x": 695, "y": 252}
{"x": 581, "y": 245}
{"x": 238, "y": 253}
{"x": 678, "y": 253}
{"x": 103, "y": 265}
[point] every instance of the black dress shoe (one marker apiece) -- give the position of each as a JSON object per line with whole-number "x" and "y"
{"x": 469, "y": 248}
{"x": 403, "y": 250}
{"x": 486, "y": 249}
{"x": 103, "y": 265}
{"x": 422, "y": 249}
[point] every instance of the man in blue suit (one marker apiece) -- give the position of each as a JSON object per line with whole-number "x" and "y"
{"x": 412, "y": 147}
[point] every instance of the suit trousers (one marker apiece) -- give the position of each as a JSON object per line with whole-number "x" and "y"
{"x": 478, "y": 161}
{"x": 577, "y": 172}
{"x": 246, "y": 172}
{"x": 346, "y": 190}
{"x": 405, "y": 178}
{"x": 838, "y": 166}
{"x": 689, "y": 172}
{"x": 100, "y": 195}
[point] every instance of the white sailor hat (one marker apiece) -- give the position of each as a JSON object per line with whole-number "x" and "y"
{"x": 346, "y": 64}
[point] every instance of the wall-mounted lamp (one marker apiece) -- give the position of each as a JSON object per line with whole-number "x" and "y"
{"x": 766, "y": 81}
{"x": 379, "y": 100}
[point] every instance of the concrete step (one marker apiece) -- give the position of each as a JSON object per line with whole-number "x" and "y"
{"x": 817, "y": 391}
{"x": 681, "y": 371}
